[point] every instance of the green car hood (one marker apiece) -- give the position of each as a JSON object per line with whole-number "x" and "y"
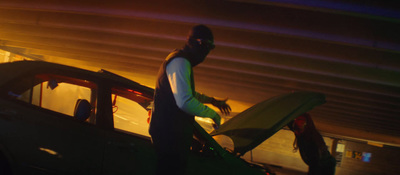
{"x": 253, "y": 126}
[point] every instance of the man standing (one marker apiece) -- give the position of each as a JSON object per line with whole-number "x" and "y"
{"x": 176, "y": 102}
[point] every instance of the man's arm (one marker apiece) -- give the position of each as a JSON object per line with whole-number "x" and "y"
{"x": 220, "y": 104}
{"x": 178, "y": 72}
{"x": 203, "y": 98}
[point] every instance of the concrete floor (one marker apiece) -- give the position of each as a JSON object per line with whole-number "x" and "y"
{"x": 278, "y": 170}
{"x": 286, "y": 171}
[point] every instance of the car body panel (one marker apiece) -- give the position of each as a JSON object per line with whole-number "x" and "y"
{"x": 44, "y": 141}
{"x": 127, "y": 154}
{"x": 228, "y": 163}
{"x": 41, "y": 140}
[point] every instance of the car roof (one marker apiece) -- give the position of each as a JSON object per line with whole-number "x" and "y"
{"x": 12, "y": 70}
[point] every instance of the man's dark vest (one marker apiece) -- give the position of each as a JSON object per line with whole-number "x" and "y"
{"x": 167, "y": 118}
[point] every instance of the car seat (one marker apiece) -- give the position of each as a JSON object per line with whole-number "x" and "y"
{"x": 82, "y": 109}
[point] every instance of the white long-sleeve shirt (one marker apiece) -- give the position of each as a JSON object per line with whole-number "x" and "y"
{"x": 178, "y": 72}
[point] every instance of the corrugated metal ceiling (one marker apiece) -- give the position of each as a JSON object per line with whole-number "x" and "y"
{"x": 346, "y": 50}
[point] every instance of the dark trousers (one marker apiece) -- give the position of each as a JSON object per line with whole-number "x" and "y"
{"x": 172, "y": 153}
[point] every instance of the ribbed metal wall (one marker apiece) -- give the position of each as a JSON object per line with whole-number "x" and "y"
{"x": 348, "y": 51}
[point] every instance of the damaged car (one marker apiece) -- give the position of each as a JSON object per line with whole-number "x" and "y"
{"x": 57, "y": 119}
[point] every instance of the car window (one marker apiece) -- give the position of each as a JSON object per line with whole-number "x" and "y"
{"x": 63, "y": 98}
{"x": 130, "y": 111}
{"x": 56, "y": 93}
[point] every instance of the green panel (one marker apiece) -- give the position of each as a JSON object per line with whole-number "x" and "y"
{"x": 256, "y": 124}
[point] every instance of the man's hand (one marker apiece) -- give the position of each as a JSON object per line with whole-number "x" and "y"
{"x": 217, "y": 121}
{"x": 222, "y": 106}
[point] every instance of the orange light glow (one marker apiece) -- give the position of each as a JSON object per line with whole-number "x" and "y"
{"x": 50, "y": 151}
{"x": 136, "y": 92}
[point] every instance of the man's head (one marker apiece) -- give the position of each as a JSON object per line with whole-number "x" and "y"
{"x": 200, "y": 40}
{"x": 201, "y": 35}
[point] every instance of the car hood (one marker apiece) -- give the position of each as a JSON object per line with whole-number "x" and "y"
{"x": 253, "y": 126}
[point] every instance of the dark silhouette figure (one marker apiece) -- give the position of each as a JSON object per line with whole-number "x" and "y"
{"x": 313, "y": 149}
{"x": 176, "y": 102}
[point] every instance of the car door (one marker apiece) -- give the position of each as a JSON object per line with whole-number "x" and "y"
{"x": 42, "y": 136}
{"x": 128, "y": 148}
{"x": 127, "y": 153}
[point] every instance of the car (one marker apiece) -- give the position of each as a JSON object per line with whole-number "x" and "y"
{"x": 57, "y": 119}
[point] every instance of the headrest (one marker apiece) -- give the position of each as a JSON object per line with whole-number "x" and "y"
{"x": 82, "y": 109}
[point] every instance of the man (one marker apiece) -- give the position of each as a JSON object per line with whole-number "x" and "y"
{"x": 313, "y": 149}
{"x": 176, "y": 102}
